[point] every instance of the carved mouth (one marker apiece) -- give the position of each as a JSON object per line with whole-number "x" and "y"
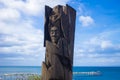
{"x": 54, "y": 39}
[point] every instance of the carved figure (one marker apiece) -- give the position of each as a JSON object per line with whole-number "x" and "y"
{"x": 59, "y": 43}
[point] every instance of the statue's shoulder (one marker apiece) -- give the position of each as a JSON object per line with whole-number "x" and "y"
{"x": 48, "y": 43}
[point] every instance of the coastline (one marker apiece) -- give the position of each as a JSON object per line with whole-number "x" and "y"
{"x": 84, "y": 73}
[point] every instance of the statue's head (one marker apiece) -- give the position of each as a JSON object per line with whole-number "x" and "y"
{"x": 55, "y": 31}
{"x": 55, "y": 26}
{"x": 54, "y": 34}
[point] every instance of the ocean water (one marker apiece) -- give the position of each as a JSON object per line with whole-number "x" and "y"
{"x": 107, "y": 73}
{"x": 79, "y": 73}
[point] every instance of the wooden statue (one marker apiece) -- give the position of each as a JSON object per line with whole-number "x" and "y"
{"x": 59, "y": 32}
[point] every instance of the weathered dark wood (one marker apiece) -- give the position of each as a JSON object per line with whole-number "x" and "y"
{"x": 59, "y": 42}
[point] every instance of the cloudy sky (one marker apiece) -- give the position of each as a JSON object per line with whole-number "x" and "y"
{"x": 97, "y": 41}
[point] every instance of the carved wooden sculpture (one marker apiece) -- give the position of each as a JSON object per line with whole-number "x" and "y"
{"x": 59, "y": 31}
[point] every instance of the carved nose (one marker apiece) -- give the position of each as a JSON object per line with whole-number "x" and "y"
{"x": 54, "y": 34}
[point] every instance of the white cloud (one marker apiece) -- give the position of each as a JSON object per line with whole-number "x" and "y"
{"x": 31, "y": 7}
{"x": 21, "y": 39}
{"x": 86, "y": 20}
{"x": 82, "y": 9}
{"x": 20, "y": 33}
{"x": 100, "y": 50}
{"x": 96, "y": 59}
{"x": 9, "y": 14}
{"x": 104, "y": 40}
{"x": 100, "y": 42}
{"x": 106, "y": 44}
{"x": 15, "y": 58}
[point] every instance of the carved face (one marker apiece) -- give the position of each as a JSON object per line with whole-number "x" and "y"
{"x": 54, "y": 34}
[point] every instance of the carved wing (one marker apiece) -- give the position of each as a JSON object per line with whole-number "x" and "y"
{"x": 46, "y": 31}
{"x": 68, "y": 28}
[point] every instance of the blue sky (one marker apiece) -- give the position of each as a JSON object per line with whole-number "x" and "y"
{"x": 97, "y": 41}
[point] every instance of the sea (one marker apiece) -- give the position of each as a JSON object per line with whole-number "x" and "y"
{"x": 79, "y": 73}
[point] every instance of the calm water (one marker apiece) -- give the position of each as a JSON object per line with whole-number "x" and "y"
{"x": 107, "y": 73}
